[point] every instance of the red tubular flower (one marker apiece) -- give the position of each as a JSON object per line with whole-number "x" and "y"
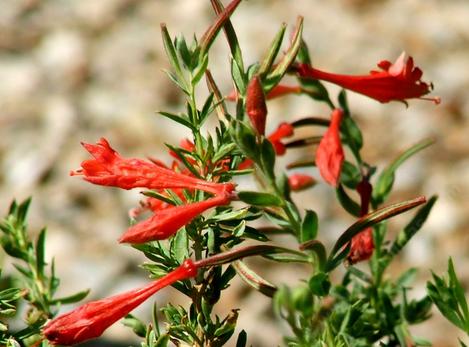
{"x": 166, "y": 222}
{"x": 298, "y": 182}
{"x": 398, "y": 81}
{"x": 90, "y": 320}
{"x": 283, "y": 130}
{"x": 330, "y": 155}
{"x": 256, "y": 107}
{"x": 108, "y": 168}
{"x": 283, "y": 89}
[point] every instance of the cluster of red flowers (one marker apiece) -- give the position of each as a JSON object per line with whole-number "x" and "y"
{"x": 395, "y": 82}
{"x": 398, "y": 81}
{"x": 108, "y": 168}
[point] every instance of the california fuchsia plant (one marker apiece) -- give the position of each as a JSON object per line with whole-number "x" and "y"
{"x": 195, "y": 228}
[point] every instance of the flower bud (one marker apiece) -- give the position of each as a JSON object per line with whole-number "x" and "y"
{"x": 256, "y": 107}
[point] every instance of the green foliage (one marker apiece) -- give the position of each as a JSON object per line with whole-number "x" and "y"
{"x": 34, "y": 284}
{"x": 358, "y": 307}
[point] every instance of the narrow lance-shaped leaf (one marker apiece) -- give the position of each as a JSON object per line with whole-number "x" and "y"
{"x": 276, "y": 75}
{"x": 40, "y": 254}
{"x": 374, "y": 218}
{"x": 213, "y": 88}
{"x": 171, "y": 52}
{"x": 238, "y": 76}
{"x": 411, "y": 229}
{"x": 309, "y": 227}
{"x": 347, "y": 203}
{"x": 458, "y": 291}
{"x": 242, "y": 252}
{"x": 253, "y": 279}
{"x": 273, "y": 51}
{"x": 260, "y": 199}
{"x": 307, "y": 121}
{"x": 211, "y": 33}
{"x": 230, "y": 35}
{"x": 386, "y": 180}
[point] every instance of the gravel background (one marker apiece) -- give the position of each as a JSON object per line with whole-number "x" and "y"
{"x": 74, "y": 71}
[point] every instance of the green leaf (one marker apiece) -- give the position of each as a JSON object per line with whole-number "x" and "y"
{"x": 268, "y": 158}
{"x": 246, "y": 140}
{"x": 230, "y": 35}
{"x": 179, "y": 119}
{"x": 350, "y": 175}
{"x": 238, "y": 77}
{"x": 320, "y": 284}
{"x": 383, "y": 186}
{"x": 268, "y": 61}
{"x": 223, "y": 151}
{"x": 172, "y": 56}
{"x": 238, "y": 231}
{"x": 414, "y": 225}
{"x": 354, "y": 137}
{"x": 309, "y": 227}
{"x": 162, "y": 341}
{"x": 40, "y": 253}
{"x": 254, "y": 234}
{"x": 374, "y": 218}
{"x": 71, "y": 298}
{"x": 459, "y": 293}
{"x": 206, "y": 110}
{"x": 242, "y": 339}
{"x": 311, "y": 121}
{"x": 180, "y": 245}
{"x": 253, "y": 279}
{"x": 183, "y": 51}
{"x": 136, "y": 325}
{"x": 200, "y": 70}
{"x": 180, "y": 153}
{"x": 281, "y": 68}
{"x": 303, "y": 53}
{"x": 260, "y": 199}
{"x": 212, "y": 32}
{"x": 347, "y": 203}
{"x": 288, "y": 257}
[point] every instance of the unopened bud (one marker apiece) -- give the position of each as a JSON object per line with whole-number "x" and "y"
{"x": 256, "y": 107}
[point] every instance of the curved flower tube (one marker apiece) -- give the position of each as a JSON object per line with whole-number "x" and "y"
{"x": 108, "y": 168}
{"x": 398, "y": 81}
{"x": 166, "y": 222}
{"x": 92, "y": 319}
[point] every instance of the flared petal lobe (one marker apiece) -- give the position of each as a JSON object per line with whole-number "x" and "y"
{"x": 165, "y": 223}
{"x": 398, "y": 81}
{"x": 330, "y": 155}
{"x": 92, "y": 319}
{"x": 108, "y": 168}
